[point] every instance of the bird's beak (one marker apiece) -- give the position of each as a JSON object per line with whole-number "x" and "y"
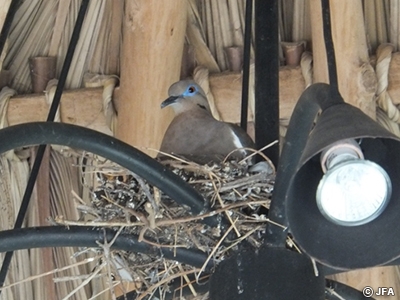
{"x": 169, "y": 101}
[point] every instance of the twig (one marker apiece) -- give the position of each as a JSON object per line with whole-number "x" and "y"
{"x": 107, "y": 257}
{"x": 141, "y": 238}
{"x": 165, "y": 280}
{"x": 86, "y": 281}
{"x": 260, "y": 152}
{"x": 137, "y": 214}
{"x": 152, "y": 215}
{"x": 60, "y": 219}
{"x": 244, "y": 181}
{"x": 146, "y": 191}
{"x": 241, "y": 238}
{"x": 215, "y": 249}
{"x": 221, "y": 202}
{"x": 188, "y": 281}
{"x": 88, "y": 260}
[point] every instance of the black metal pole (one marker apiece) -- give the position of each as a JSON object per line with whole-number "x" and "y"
{"x": 330, "y": 49}
{"x": 246, "y": 64}
{"x": 315, "y": 98}
{"x": 12, "y": 10}
{"x": 267, "y": 77}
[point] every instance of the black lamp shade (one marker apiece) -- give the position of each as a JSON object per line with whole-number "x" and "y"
{"x": 342, "y": 247}
{"x": 270, "y": 273}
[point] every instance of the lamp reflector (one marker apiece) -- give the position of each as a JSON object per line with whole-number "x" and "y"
{"x": 353, "y": 192}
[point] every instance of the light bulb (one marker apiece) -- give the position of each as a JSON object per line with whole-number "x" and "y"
{"x": 353, "y": 191}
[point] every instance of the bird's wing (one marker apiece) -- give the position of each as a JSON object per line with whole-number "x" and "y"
{"x": 243, "y": 137}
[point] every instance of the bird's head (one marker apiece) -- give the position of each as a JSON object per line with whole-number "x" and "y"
{"x": 186, "y": 95}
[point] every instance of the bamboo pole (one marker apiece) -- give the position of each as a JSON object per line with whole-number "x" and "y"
{"x": 154, "y": 33}
{"x": 357, "y": 80}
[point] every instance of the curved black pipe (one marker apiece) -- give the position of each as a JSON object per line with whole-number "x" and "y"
{"x": 108, "y": 147}
{"x": 315, "y": 98}
{"x": 85, "y": 236}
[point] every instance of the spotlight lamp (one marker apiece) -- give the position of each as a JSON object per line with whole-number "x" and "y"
{"x": 342, "y": 202}
{"x": 353, "y": 191}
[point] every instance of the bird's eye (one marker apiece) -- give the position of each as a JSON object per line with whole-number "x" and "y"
{"x": 191, "y": 89}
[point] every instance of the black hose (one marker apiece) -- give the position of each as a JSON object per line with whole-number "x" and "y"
{"x": 85, "y": 236}
{"x": 316, "y": 97}
{"x": 119, "y": 152}
{"x": 111, "y": 148}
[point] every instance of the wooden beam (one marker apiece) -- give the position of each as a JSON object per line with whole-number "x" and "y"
{"x": 154, "y": 33}
{"x": 227, "y": 91}
{"x": 83, "y": 107}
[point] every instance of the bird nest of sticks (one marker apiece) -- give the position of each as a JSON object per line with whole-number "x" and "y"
{"x": 122, "y": 200}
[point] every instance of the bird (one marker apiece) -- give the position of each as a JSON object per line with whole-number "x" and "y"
{"x": 194, "y": 133}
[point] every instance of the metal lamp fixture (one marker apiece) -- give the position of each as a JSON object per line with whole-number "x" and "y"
{"x": 335, "y": 193}
{"x": 347, "y": 218}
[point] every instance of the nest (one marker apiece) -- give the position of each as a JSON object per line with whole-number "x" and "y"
{"x": 124, "y": 201}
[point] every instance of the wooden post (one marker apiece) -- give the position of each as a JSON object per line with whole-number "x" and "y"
{"x": 153, "y": 38}
{"x": 357, "y": 79}
{"x": 42, "y": 206}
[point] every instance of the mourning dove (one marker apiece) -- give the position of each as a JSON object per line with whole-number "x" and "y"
{"x": 194, "y": 133}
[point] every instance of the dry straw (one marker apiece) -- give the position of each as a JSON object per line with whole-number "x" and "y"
{"x": 121, "y": 199}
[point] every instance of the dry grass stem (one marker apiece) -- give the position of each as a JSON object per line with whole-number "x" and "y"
{"x": 123, "y": 200}
{"x": 215, "y": 249}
